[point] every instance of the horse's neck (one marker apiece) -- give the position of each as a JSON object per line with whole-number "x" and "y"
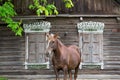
{"x": 57, "y": 51}
{"x": 60, "y": 44}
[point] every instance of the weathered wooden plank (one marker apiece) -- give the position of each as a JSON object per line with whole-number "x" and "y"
{"x": 12, "y": 48}
{"x": 11, "y": 67}
{"x": 115, "y": 49}
{"x": 112, "y": 58}
{"x": 112, "y": 39}
{"x": 112, "y": 42}
{"x": 12, "y": 53}
{"x": 12, "y": 58}
{"x": 106, "y": 53}
{"x": 64, "y": 30}
{"x": 112, "y": 62}
{"x": 66, "y": 21}
{"x": 111, "y": 66}
{"x": 102, "y": 19}
{"x": 64, "y": 26}
{"x": 11, "y": 37}
{"x": 112, "y": 51}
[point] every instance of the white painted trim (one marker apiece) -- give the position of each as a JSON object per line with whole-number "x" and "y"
{"x": 95, "y": 32}
{"x": 42, "y": 26}
{"x": 26, "y": 55}
{"x": 101, "y": 64}
{"x": 90, "y": 26}
{"x": 37, "y": 63}
{"x": 29, "y": 31}
{"x": 46, "y": 63}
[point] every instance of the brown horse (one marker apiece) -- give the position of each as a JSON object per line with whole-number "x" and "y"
{"x": 64, "y": 58}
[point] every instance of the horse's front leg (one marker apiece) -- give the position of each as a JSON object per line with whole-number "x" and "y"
{"x": 56, "y": 73}
{"x": 65, "y": 72}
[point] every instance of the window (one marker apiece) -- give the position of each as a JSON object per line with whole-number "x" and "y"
{"x": 91, "y": 43}
{"x": 36, "y": 45}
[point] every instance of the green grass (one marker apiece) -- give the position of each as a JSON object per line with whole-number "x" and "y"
{"x": 3, "y": 78}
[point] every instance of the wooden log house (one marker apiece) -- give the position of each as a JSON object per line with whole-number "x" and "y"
{"x": 13, "y": 49}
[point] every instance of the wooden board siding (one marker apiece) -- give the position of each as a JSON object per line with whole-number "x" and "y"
{"x": 66, "y": 28}
{"x": 80, "y": 7}
{"x": 11, "y": 49}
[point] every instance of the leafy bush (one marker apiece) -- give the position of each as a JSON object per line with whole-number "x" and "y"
{"x": 68, "y": 3}
{"x": 6, "y": 13}
{"x": 43, "y": 7}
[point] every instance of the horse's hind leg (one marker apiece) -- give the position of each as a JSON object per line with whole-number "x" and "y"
{"x": 70, "y": 74}
{"x": 76, "y": 72}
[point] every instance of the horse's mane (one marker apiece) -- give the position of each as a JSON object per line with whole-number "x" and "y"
{"x": 60, "y": 42}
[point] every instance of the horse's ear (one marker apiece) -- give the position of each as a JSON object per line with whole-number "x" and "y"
{"x": 47, "y": 35}
{"x": 56, "y": 36}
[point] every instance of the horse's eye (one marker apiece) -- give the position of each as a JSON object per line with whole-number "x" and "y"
{"x": 52, "y": 42}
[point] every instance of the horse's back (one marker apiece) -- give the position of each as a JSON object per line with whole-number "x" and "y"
{"x": 75, "y": 49}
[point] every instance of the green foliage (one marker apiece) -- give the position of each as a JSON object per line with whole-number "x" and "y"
{"x": 42, "y": 7}
{"x": 6, "y": 13}
{"x": 68, "y": 3}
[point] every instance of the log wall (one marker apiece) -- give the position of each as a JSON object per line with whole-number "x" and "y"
{"x": 12, "y": 48}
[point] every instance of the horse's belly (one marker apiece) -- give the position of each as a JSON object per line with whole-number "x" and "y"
{"x": 73, "y": 64}
{"x": 59, "y": 66}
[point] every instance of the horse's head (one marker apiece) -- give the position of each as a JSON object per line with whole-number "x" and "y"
{"x": 51, "y": 42}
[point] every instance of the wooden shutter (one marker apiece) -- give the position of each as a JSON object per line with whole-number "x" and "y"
{"x": 92, "y": 48}
{"x": 36, "y": 48}
{"x": 86, "y": 57}
{"x": 96, "y": 48}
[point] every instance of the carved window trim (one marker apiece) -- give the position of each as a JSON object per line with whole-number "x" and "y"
{"x": 90, "y": 26}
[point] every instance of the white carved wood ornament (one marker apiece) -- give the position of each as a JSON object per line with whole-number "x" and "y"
{"x": 42, "y": 26}
{"x": 90, "y": 26}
